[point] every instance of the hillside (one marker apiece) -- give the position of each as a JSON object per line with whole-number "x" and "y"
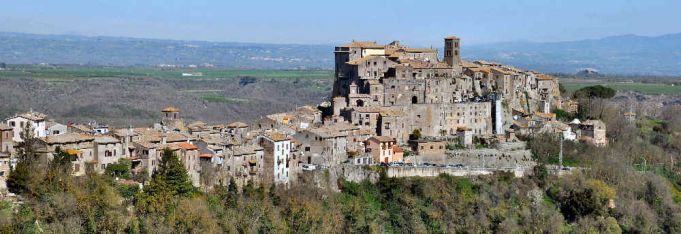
{"x": 628, "y": 54}
{"x": 20, "y": 48}
{"x": 125, "y": 96}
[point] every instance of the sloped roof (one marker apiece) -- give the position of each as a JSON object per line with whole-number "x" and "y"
{"x": 363, "y": 44}
{"x": 420, "y": 64}
{"x": 544, "y": 77}
{"x": 420, "y": 50}
{"x": 106, "y": 139}
{"x": 31, "y": 115}
{"x": 382, "y": 138}
{"x": 4, "y": 126}
{"x": 363, "y": 59}
{"x": 187, "y": 146}
{"x": 170, "y": 109}
{"x": 67, "y": 138}
{"x": 237, "y": 125}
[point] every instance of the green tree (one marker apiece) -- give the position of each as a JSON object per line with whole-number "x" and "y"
{"x": 170, "y": 177}
{"x": 120, "y": 169}
{"x": 563, "y": 115}
{"x": 58, "y": 176}
{"x": 591, "y": 100}
{"x": 272, "y": 192}
{"x": 24, "y": 175}
{"x": 540, "y": 175}
{"x": 561, "y": 88}
{"x": 597, "y": 91}
{"x": 415, "y": 134}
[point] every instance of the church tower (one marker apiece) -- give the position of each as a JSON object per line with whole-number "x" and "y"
{"x": 452, "y": 52}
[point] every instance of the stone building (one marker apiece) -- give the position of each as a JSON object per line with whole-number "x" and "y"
{"x": 149, "y": 145}
{"x": 244, "y": 164}
{"x": 79, "y": 145}
{"x": 593, "y": 132}
{"x": 428, "y": 147}
{"x": 6, "y": 139}
{"x": 107, "y": 150}
{"x": 322, "y": 146}
{"x": 393, "y": 90}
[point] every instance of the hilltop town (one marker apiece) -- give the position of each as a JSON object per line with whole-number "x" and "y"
{"x": 406, "y": 109}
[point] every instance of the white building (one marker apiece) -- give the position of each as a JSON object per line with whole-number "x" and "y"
{"x": 277, "y": 152}
{"x": 54, "y": 128}
{"x": 569, "y": 135}
{"x": 34, "y": 119}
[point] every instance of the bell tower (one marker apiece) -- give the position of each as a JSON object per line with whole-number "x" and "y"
{"x": 452, "y": 52}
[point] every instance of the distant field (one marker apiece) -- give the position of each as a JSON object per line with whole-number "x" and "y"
{"x": 68, "y": 73}
{"x": 645, "y": 88}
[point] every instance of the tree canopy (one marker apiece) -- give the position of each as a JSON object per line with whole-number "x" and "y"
{"x": 597, "y": 91}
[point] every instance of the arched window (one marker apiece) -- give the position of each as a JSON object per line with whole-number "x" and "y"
{"x": 360, "y": 103}
{"x": 414, "y": 100}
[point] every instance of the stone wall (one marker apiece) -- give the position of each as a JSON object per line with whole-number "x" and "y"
{"x": 436, "y": 171}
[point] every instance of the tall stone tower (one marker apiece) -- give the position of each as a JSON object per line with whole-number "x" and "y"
{"x": 452, "y": 52}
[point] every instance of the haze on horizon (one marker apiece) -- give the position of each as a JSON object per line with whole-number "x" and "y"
{"x": 323, "y": 22}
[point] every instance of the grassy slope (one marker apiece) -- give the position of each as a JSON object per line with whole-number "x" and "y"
{"x": 648, "y": 88}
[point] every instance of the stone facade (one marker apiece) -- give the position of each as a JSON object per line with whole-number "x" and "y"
{"x": 393, "y": 90}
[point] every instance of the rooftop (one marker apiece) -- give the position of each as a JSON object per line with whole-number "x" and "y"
{"x": 237, "y": 125}
{"x": 170, "y": 109}
{"x": 31, "y": 115}
{"x": 106, "y": 139}
{"x": 382, "y": 138}
{"x": 67, "y": 138}
{"x": 363, "y": 44}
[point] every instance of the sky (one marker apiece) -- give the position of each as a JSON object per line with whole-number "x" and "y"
{"x": 329, "y": 22}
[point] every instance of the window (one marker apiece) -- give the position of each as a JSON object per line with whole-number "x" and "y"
{"x": 11, "y": 123}
{"x": 103, "y": 166}
{"x": 307, "y": 149}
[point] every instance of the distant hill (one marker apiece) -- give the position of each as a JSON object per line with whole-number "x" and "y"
{"x": 627, "y": 54}
{"x": 66, "y": 49}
